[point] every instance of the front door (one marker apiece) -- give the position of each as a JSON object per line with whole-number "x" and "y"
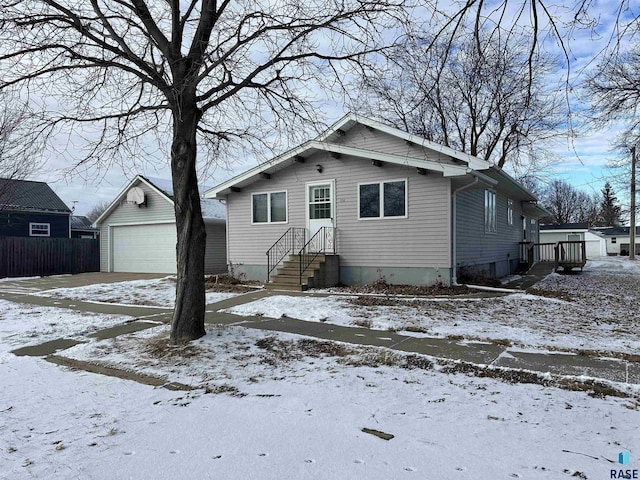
{"x": 321, "y": 212}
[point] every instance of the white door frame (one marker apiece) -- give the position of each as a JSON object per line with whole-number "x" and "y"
{"x": 332, "y": 186}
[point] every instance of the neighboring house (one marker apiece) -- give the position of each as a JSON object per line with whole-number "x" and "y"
{"x": 81, "y": 228}
{"x": 32, "y": 209}
{"x": 138, "y": 230}
{"x": 393, "y": 205}
{"x": 596, "y": 246}
{"x": 617, "y": 239}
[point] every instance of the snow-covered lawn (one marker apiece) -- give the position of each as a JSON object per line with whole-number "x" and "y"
{"x": 281, "y": 406}
{"x": 159, "y": 292}
{"x": 22, "y": 325}
{"x": 597, "y": 317}
{"x": 267, "y": 405}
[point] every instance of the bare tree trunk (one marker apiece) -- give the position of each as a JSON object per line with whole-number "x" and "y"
{"x": 188, "y": 315}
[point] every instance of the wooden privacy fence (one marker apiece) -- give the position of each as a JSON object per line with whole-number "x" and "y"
{"x": 30, "y": 256}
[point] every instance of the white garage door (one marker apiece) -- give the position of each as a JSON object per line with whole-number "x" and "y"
{"x": 144, "y": 248}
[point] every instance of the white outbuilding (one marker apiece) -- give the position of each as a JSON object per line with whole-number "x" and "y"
{"x": 596, "y": 246}
{"x": 138, "y": 230}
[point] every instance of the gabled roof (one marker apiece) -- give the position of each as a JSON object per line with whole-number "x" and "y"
{"x": 351, "y": 119}
{"x": 459, "y": 163}
{"x": 211, "y": 209}
{"x": 80, "y": 222}
{"x": 29, "y": 196}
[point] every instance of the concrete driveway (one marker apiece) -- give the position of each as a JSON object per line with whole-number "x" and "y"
{"x": 39, "y": 284}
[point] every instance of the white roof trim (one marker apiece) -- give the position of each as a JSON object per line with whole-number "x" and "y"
{"x": 446, "y": 169}
{"x": 474, "y": 162}
{"x": 112, "y": 206}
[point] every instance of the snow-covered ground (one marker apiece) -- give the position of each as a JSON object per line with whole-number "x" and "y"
{"x": 291, "y": 411}
{"x": 282, "y": 406}
{"x": 159, "y": 292}
{"x": 23, "y": 325}
{"x": 595, "y": 318}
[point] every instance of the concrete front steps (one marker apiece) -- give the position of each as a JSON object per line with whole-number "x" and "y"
{"x": 323, "y": 272}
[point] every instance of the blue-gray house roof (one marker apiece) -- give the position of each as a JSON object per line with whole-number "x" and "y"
{"x": 29, "y": 196}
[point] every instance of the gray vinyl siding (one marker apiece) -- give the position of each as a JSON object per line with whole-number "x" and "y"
{"x": 361, "y": 137}
{"x": 420, "y": 240}
{"x": 158, "y": 209}
{"x": 475, "y": 246}
{"x": 215, "y": 260}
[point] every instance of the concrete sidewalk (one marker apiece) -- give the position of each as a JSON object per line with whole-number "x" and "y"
{"x": 467, "y": 351}
{"x": 483, "y": 353}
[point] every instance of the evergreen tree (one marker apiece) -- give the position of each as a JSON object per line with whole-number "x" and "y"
{"x": 610, "y": 211}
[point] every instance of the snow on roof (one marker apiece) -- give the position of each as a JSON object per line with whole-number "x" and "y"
{"x": 162, "y": 184}
{"x": 211, "y": 209}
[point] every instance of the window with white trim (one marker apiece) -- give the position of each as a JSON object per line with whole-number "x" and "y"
{"x": 490, "y": 217}
{"x": 39, "y": 229}
{"x": 270, "y": 207}
{"x": 382, "y": 199}
{"x": 510, "y": 211}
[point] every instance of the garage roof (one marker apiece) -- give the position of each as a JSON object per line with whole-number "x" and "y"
{"x": 211, "y": 209}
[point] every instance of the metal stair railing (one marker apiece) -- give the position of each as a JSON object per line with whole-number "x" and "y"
{"x": 289, "y": 242}
{"x": 323, "y": 241}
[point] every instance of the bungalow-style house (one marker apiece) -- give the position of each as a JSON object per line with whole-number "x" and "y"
{"x": 617, "y": 239}
{"x": 364, "y": 201}
{"x": 595, "y": 245}
{"x": 138, "y": 230}
{"x": 81, "y": 227}
{"x": 32, "y": 209}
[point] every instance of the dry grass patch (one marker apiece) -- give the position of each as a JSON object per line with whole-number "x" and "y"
{"x": 226, "y": 284}
{"x": 383, "y": 287}
{"x": 545, "y": 292}
{"x": 363, "y": 322}
{"x": 160, "y": 347}
{"x": 593, "y": 388}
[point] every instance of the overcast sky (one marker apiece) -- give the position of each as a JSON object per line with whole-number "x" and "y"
{"x": 582, "y": 164}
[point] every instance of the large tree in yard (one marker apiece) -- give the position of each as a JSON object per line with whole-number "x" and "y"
{"x": 113, "y": 74}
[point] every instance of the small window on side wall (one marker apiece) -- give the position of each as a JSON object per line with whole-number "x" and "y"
{"x": 269, "y": 207}
{"x": 39, "y": 229}
{"x": 510, "y": 211}
{"x": 614, "y": 240}
{"x": 490, "y": 217}
{"x": 382, "y": 200}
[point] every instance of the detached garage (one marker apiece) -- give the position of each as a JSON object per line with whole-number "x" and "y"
{"x": 138, "y": 230}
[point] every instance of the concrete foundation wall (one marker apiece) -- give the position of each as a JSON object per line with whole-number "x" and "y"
{"x": 395, "y": 275}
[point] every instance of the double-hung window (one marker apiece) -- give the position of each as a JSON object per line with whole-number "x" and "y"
{"x": 382, "y": 199}
{"x": 39, "y": 229}
{"x": 490, "y": 217}
{"x": 269, "y": 207}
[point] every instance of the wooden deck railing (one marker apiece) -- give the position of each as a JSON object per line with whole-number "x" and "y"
{"x": 570, "y": 255}
{"x": 564, "y": 254}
